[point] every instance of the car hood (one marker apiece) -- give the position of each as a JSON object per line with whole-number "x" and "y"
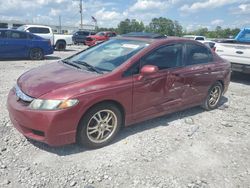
{"x": 46, "y": 78}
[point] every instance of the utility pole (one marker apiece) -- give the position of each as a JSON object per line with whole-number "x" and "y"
{"x": 81, "y": 12}
{"x": 80, "y": 7}
{"x": 60, "y": 25}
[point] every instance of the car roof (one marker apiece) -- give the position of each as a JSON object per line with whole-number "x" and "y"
{"x": 158, "y": 40}
{"x": 106, "y": 32}
{"x": 43, "y": 26}
{"x": 193, "y": 36}
{"x": 144, "y": 35}
{"x": 2, "y": 29}
{"x": 28, "y": 33}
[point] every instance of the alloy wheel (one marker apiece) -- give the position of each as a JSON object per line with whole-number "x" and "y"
{"x": 214, "y": 96}
{"x": 101, "y": 126}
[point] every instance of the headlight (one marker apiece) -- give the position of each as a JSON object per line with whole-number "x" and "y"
{"x": 39, "y": 104}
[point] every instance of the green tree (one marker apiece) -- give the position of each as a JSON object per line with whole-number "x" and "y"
{"x": 136, "y": 26}
{"x": 124, "y": 27}
{"x": 178, "y": 30}
{"x": 202, "y": 31}
{"x": 128, "y": 26}
{"x": 165, "y": 26}
{"x": 162, "y": 26}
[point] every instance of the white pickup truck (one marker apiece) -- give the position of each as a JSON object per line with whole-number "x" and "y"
{"x": 236, "y": 51}
{"x": 59, "y": 41}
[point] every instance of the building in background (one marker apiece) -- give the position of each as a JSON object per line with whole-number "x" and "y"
{"x": 13, "y": 24}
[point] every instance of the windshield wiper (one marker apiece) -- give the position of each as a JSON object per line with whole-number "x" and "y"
{"x": 90, "y": 67}
{"x": 72, "y": 64}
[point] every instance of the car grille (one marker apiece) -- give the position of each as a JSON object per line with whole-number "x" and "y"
{"x": 22, "y": 96}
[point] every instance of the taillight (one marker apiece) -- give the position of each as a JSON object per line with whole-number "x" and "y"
{"x": 214, "y": 49}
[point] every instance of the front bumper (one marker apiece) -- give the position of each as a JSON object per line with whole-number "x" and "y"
{"x": 90, "y": 43}
{"x": 54, "y": 128}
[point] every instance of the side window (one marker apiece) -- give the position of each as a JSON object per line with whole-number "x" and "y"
{"x": 43, "y": 30}
{"x": 17, "y": 35}
{"x": 134, "y": 69}
{"x": 246, "y": 36}
{"x": 2, "y": 34}
{"x": 109, "y": 34}
{"x": 38, "y": 30}
{"x": 165, "y": 57}
{"x": 197, "y": 54}
{"x": 33, "y": 30}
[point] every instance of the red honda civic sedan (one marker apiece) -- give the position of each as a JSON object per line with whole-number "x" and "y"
{"x": 89, "y": 96}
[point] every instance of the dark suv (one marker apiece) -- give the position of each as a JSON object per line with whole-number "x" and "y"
{"x": 79, "y": 37}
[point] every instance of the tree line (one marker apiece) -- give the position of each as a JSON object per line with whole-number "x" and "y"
{"x": 169, "y": 27}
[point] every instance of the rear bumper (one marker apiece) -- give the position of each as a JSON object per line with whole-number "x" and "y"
{"x": 240, "y": 68}
{"x": 54, "y": 128}
{"x": 48, "y": 51}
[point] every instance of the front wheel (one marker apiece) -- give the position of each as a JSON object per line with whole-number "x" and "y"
{"x": 99, "y": 126}
{"x": 36, "y": 54}
{"x": 213, "y": 97}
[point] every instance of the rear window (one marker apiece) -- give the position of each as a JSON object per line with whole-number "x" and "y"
{"x": 199, "y": 38}
{"x": 197, "y": 54}
{"x": 39, "y": 30}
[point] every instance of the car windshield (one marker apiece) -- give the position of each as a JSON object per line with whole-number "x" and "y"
{"x": 110, "y": 54}
{"x": 100, "y": 34}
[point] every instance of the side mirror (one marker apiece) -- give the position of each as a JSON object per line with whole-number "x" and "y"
{"x": 148, "y": 70}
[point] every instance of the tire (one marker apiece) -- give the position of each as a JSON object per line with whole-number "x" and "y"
{"x": 94, "y": 130}
{"x": 214, "y": 96}
{"x": 60, "y": 45}
{"x": 36, "y": 54}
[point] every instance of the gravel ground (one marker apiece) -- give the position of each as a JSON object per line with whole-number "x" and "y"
{"x": 193, "y": 148}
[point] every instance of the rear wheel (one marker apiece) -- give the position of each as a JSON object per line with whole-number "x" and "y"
{"x": 99, "y": 126}
{"x": 36, "y": 54}
{"x": 213, "y": 97}
{"x": 60, "y": 45}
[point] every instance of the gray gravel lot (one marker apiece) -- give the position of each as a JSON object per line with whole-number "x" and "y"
{"x": 193, "y": 148}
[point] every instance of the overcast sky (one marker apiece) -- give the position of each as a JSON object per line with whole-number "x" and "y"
{"x": 191, "y": 14}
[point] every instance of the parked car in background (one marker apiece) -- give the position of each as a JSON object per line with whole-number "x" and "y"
{"x": 89, "y": 96}
{"x": 194, "y": 37}
{"x": 58, "y": 41}
{"x": 19, "y": 44}
{"x": 236, "y": 51}
{"x": 99, "y": 37}
{"x": 79, "y": 37}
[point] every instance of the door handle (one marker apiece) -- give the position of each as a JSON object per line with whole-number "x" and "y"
{"x": 239, "y": 52}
